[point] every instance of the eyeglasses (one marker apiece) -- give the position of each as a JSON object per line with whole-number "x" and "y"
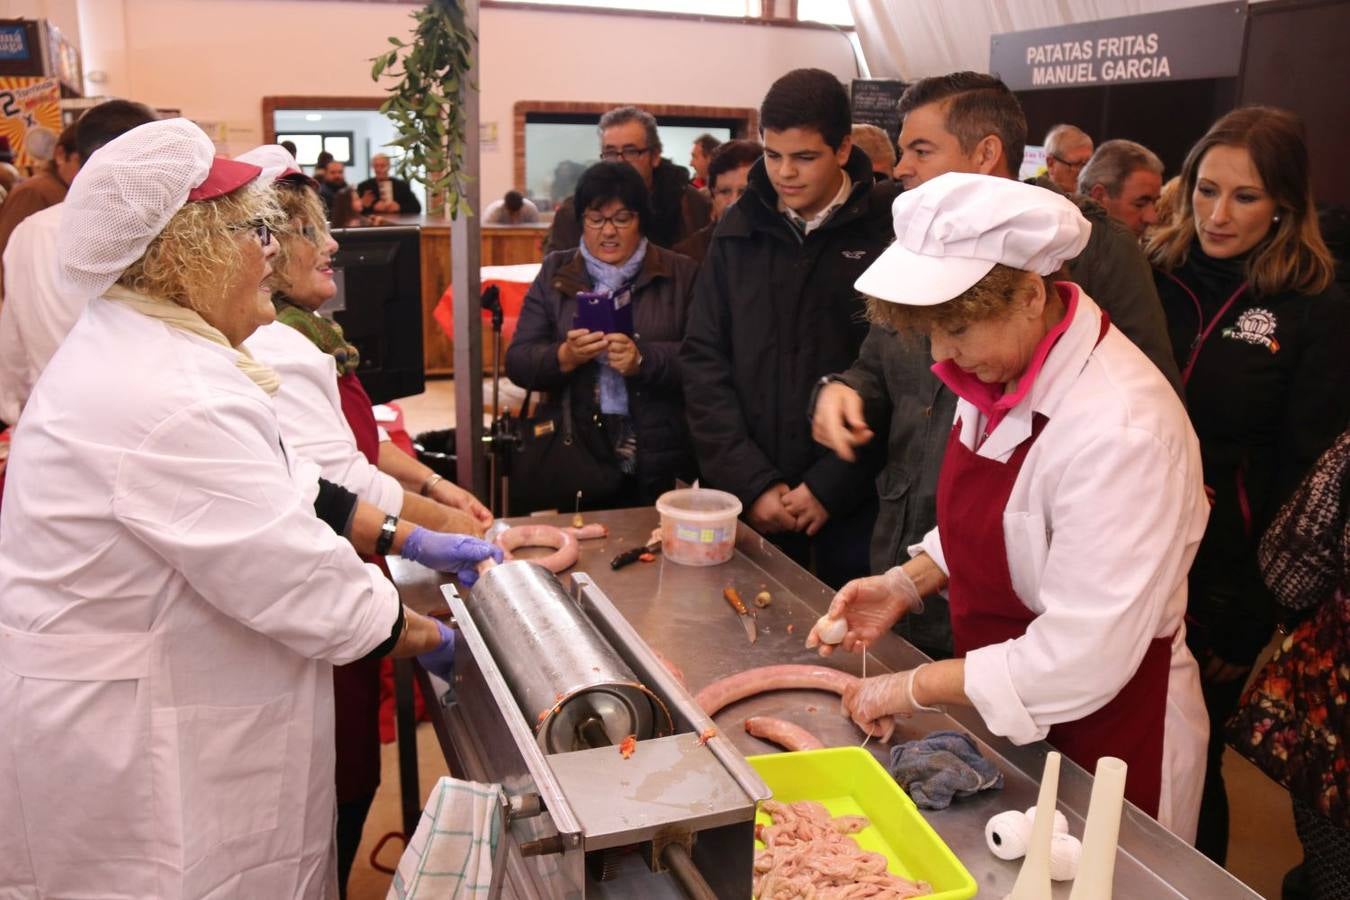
{"x": 624, "y": 218}
{"x": 1064, "y": 162}
{"x": 260, "y": 230}
{"x": 627, "y": 154}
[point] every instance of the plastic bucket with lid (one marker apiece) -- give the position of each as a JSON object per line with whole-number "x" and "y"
{"x": 698, "y": 526}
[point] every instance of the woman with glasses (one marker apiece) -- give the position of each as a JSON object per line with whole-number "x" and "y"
{"x": 326, "y": 416}
{"x": 1260, "y": 333}
{"x": 618, "y": 379}
{"x": 170, "y": 604}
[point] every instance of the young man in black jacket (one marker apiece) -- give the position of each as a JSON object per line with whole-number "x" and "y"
{"x": 774, "y": 310}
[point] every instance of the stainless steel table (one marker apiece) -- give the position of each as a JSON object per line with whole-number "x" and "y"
{"x": 679, "y": 611}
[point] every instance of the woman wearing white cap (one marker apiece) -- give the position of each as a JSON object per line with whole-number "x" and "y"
{"x": 1070, "y": 502}
{"x": 169, "y": 602}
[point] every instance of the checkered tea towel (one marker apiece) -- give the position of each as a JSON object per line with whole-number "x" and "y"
{"x": 451, "y": 853}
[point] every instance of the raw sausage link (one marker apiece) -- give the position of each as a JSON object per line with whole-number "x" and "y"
{"x": 771, "y": 678}
{"x": 785, "y": 734}
{"x": 563, "y": 540}
{"x": 564, "y": 544}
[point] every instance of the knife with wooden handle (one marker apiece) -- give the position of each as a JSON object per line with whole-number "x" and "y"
{"x": 733, "y": 598}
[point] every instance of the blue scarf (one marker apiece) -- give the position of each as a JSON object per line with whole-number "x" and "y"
{"x": 613, "y": 280}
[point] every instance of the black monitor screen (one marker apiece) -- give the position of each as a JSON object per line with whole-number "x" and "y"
{"x": 379, "y": 306}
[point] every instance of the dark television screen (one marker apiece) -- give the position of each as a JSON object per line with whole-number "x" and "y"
{"x": 379, "y": 306}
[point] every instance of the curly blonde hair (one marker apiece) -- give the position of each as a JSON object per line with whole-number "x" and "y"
{"x": 989, "y": 298}
{"x": 194, "y": 261}
{"x": 305, "y": 221}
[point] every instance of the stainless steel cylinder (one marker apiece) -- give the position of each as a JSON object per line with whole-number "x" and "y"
{"x": 573, "y": 688}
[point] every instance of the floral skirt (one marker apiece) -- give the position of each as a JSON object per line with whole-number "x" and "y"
{"x": 1293, "y": 720}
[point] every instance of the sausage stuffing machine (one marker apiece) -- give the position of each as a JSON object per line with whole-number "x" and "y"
{"x": 549, "y": 690}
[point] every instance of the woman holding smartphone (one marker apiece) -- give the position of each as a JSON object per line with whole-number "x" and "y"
{"x": 598, "y": 334}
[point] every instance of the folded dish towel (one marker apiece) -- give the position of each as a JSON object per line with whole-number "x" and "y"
{"x": 452, "y": 851}
{"x": 942, "y": 766}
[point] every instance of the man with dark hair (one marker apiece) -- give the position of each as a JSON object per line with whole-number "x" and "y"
{"x": 1126, "y": 179}
{"x": 38, "y": 310}
{"x": 628, "y": 134}
{"x": 774, "y": 310}
{"x": 700, "y": 154}
{"x": 964, "y": 122}
{"x": 513, "y": 209}
{"x": 728, "y": 171}
{"x": 332, "y": 180}
{"x": 289, "y": 147}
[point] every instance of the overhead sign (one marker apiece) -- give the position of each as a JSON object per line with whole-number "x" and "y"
{"x": 14, "y": 42}
{"x": 1179, "y": 45}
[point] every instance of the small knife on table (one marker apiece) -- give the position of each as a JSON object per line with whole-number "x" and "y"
{"x": 628, "y": 557}
{"x": 733, "y": 597}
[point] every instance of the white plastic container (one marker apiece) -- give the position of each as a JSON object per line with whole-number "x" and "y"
{"x": 698, "y": 526}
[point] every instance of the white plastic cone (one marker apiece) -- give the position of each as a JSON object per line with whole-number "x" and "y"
{"x": 1033, "y": 882}
{"x": 1097, "y": 865}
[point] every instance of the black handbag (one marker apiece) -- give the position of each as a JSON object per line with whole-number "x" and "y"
{"x": 555, "y": 459}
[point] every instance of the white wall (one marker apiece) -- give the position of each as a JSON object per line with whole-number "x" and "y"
{"x": 216, "y": 59}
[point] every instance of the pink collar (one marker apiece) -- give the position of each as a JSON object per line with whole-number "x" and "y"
{"x": 990, "y": 399}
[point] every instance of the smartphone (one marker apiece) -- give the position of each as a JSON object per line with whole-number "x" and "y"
{"x": 596, "y": 312}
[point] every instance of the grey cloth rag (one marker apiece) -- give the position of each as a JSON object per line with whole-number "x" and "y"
{"x": 942, "y": 766}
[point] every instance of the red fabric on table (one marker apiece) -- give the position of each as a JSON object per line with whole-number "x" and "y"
{"x": 512, "y": 297}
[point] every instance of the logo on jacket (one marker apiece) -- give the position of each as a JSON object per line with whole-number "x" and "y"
{"x": 1255, "y": 326}
{"x": 853, "y": 254}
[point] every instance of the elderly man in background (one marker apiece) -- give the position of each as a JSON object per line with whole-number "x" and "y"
{"x": 876, "y": 143}
{"x": 1067, "y": 150}
{"x": 628, "y": 134}
{"x": 384, "y": 193}
{"x": 1126, "y": 179}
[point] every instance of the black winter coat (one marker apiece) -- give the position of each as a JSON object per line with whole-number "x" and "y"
{"x": 661, "y": 297}
{"x": 773, "y": 312}
{"x": 1268, "y": 393}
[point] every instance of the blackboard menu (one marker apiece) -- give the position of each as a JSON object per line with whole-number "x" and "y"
{"x": 876, "y": 101}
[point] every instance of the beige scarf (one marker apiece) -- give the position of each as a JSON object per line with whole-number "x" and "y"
{"x": 190, "y": 321}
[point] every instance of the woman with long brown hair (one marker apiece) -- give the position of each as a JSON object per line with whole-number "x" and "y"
{"x": 1262, "y": 337}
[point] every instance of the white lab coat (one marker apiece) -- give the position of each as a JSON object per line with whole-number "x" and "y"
{"x": 169, "y": 610}
{"x": 310, "y": 412}
{"x": 38, "y": 312}
{"x": 1101, "y": 527}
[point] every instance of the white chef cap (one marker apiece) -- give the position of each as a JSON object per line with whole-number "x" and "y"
{"x": 952, "y": 230}
{"x": 277, "y": 164}
{"x": 128, "y": 190}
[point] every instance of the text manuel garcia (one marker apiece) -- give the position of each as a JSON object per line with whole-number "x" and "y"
{"x": 1131, "y": 57}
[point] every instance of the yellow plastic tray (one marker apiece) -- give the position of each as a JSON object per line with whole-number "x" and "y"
{"x": 850, "y": 782}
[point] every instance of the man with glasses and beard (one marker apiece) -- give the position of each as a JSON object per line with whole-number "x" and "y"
{"x": 628, "y": 134}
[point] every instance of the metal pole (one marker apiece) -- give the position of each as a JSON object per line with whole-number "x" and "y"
{"x": 465, "y": 258}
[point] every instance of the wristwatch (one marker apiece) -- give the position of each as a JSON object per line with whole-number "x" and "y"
{"x": 386, "y": 538}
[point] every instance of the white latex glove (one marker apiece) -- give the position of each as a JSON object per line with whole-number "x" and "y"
{"x": 873, "y": 699}
{"x": 870, "y": 606}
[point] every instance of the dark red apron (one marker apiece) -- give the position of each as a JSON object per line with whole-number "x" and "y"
{"x": 972, "y": 496}
{"x": 356, "y": 686}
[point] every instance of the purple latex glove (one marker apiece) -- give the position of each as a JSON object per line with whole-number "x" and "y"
{"x": 441, "y": 661}
{"x": 456, "y": 553}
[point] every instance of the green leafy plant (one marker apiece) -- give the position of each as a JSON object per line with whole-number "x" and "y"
{"x": 424, "y": 102}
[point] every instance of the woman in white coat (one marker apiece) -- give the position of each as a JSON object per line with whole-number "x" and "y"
{"x": 169, "y": 603}
{"x": 1070, "y": 502}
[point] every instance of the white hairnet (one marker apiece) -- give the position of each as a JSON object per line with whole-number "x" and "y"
{"x": 128, "y": 190}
